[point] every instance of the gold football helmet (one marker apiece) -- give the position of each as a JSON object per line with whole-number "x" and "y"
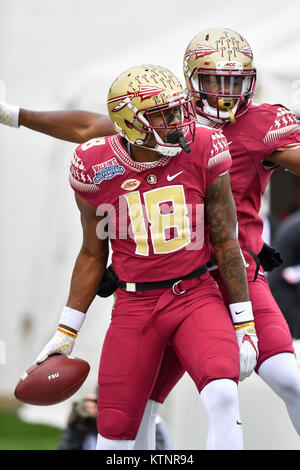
{"x": 219, "y": 72}
{"x": 137, "y": 96}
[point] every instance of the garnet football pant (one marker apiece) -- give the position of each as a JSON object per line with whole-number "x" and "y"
{"x": 196, "y": 324}
{"x": 271, "y": 328}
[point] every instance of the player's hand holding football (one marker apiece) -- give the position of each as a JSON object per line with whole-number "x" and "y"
{"x": 63, "y": 340}
{"x": 9, "y": 114}
{"x": 243, "y": 321}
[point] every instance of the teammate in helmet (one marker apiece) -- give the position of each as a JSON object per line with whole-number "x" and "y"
{"x": 261, "y": 137}
{"x": 219, "y": 73}
{"x": 164, "y": 289}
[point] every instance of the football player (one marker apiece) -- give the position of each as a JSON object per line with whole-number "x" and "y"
{"x": 165, "y": 187}
{"x": 219, "y": 72}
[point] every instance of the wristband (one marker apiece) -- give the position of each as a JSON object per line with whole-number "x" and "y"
{"x": 66, "y": 332}
{"x": 244, "y": 325}
{"x": 72, "y": 318}
{"x": 9, "y": 114}
{"x": 241, "y": 312}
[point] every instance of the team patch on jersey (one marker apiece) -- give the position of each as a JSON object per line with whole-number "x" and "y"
{"x": 107, "y": 170}
{"x": 130, "y": 185}
{"x": 152, "y": 179}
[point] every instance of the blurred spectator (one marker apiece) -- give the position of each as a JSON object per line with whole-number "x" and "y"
{"x": 81, "y": 431}
{"x": 285, "y": 280}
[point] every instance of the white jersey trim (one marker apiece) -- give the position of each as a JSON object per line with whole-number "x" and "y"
{"x": 82, "y": 187}
{"x": 273, "y": 136}
{"x": 217, "y": 159}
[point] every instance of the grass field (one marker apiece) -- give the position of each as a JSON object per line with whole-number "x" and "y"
{"x": 18, "y": 435}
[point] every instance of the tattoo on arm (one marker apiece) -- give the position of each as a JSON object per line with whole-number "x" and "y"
{"x": 221, "y": 216}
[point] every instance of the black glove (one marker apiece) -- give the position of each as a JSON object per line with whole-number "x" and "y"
{"x": 269, "y": 257}
{"x": 109, "y": 283}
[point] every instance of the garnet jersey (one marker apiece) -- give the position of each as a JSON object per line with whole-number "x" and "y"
{"x": 156, "y": 211}
{"x": 255, "y": 135}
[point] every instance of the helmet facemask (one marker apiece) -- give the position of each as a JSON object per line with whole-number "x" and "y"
{"x": 219, "y": 73}
{"x": 222, "y": 94}
{"x": 177, "y": 117}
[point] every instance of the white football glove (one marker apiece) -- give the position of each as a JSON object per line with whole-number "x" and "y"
{"x": 247, "y": 341}
{"x": 63, "y": 340}
{"x": 61, "y": 343}
{"x": 243, "y": 322}
{"x": 9, "y": 114}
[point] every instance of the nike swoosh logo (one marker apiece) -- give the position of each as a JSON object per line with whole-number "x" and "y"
{"x": 239, "y": 423}
{"x": 170, "y": 178}
{"x": 237, "y": 313}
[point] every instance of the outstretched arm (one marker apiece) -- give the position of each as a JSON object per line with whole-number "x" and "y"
{"x": 74, "y": 126}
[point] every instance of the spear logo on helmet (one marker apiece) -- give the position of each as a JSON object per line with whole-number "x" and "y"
{"x": 144, "y": 92}
{"x": 246, "y": 50}
{"x": 201, "y": 51}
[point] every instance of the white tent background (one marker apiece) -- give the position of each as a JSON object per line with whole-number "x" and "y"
{"x": 57, "y": 55}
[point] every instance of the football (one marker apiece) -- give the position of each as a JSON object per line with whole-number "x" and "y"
{"x": 52, "y": 381}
